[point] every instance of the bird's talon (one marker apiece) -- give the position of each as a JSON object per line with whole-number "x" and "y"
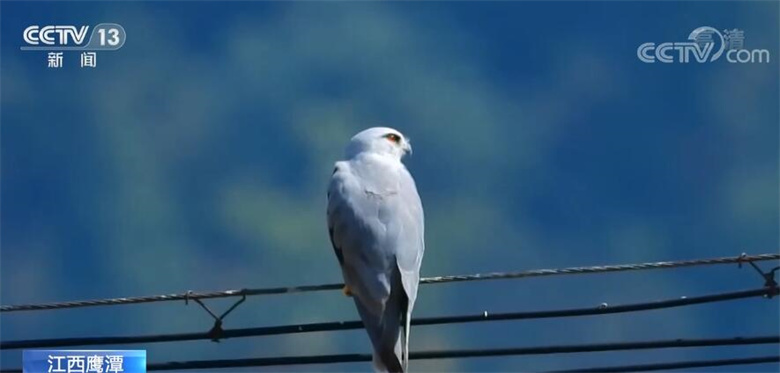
{"x": 346, "y": 291}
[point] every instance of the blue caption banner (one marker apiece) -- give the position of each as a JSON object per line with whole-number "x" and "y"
{"x": 84, "y": 361}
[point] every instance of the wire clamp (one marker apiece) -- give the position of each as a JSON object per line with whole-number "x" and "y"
{"x": 216, "y": 332}
{"x": 769, "y": 277}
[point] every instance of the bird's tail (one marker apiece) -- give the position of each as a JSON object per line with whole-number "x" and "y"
{"x": 407, "y": 328}
{"x": 390, "y": 346}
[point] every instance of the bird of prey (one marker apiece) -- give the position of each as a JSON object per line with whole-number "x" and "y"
{"x": 375, "y": 221}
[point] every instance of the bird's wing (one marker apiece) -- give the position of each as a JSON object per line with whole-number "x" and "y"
{"x": 403, "y": 217}
{"x": 358, "y": 237}
{"x": 375, "y": 218}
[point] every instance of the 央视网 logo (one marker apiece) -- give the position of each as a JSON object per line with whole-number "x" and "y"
{"x": 705, "y": 44}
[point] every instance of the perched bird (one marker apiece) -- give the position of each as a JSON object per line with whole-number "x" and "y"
{"x": 375, "y": 221}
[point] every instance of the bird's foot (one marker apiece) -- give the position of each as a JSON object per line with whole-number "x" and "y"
{"x": 346, "y": 291}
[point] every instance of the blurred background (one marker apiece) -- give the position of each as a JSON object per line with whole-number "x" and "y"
{"x": 196, "y": 157}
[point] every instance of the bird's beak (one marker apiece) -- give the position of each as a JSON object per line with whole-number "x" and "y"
{"x": 408, "y": 147}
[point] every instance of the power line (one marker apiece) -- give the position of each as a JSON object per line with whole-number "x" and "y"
{"x": 622, "y": 368}
{"x": 678, "y": 365}
{"x": 430, "y": 280}
{"x": 346, "y": 325}
{"x": 451, "y": 354}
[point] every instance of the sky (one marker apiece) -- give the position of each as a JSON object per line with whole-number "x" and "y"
{"x": 196, "y": 157}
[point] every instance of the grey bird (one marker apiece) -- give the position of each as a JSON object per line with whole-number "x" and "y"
{"x": 375, "y": 221}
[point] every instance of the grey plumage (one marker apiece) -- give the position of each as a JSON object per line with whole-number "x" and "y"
{"x": 376, "y": 225}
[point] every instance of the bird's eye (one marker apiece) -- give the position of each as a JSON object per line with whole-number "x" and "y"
{"x": 393, "y": 138}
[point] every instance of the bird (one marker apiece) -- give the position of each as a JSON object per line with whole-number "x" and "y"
{"x": 376, "y": 227}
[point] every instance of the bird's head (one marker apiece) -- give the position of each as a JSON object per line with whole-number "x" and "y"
{"x": 379, "y": 140}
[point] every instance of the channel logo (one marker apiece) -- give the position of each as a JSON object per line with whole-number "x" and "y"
{"x": 104, "y": 36}
{"x": 705, "y": 44}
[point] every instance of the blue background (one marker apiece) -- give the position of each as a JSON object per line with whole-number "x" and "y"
{"x": 196, "y": 158}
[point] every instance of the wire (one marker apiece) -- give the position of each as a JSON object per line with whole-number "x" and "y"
{"x": 345, "y": 325}
{"x": 450, "y": 354}
{"x": 678, "y": 365}
{"x": 627, "y": 368}
{"x": 430, "y": 280}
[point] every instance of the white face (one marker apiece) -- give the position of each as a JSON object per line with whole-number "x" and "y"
{"x": 380, "y": 140}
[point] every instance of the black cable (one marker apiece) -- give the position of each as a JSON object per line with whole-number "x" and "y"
{"x": 345, "y": 325}
{"x": 449, "y": 354}
{"x": 678, "y": 365}
{"x": 744, "y": 258}
{"x": 623, "y": 368}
